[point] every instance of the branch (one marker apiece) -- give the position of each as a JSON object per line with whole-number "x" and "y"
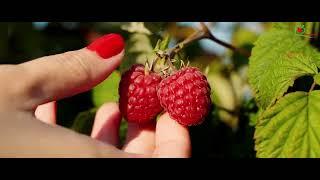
{"x": 225, "y": 44}
{"x": 203, "y": 33}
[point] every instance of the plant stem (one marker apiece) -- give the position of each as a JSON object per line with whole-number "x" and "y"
{"x": 203, "y": 33}
{"x": 193, "y": 37}
{"x": 312, "y": 86}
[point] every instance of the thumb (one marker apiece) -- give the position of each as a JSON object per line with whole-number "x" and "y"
{"x": 54, "y": 77}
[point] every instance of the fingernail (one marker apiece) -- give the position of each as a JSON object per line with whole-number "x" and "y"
{"x": 108, "y": 45}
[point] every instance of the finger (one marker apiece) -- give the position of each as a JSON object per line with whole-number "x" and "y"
{"x": 58, "y": 76}
{"x": 140, "y": 138}
{"x": 172, "y": 139}
{"x": 107, "y": 123}
{"x": 46, "y": 113}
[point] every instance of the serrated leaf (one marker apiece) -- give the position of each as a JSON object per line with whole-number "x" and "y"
{"x": 84, "y": 121}
{"x": 106, "y": 91}
{"x": 253, "y": 117}
{"x": 291, "y": 128}
{"x": 317, "y": 78}
{"x": 278, "y": 58}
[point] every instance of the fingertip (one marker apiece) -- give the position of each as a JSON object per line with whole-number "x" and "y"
{"x": 46, "y": 112}
{"x": 107, "y": 45}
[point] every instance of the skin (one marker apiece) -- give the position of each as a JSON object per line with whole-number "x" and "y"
{"x": 28, "y": 119}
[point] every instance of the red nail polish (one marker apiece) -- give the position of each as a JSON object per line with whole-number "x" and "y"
{"x": 108, "y": 45}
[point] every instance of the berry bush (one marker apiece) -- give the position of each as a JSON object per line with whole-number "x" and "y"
{"x": 244, "y": 90}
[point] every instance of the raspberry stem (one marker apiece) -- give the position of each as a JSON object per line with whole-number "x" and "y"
{"x": 312, "y": 86}
{"x": 203, "y": 33}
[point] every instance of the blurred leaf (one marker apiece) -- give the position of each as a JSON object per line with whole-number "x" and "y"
{"x": 156, "y": 27}
{"x": 238, "y": 59}
{"x": 238, "y": 86}
{"x": 244, "y": 39}
{"x": 180, "y": 32}
{"x": 284, "y": 25}
{"x": 139, "y": 43}
{"x": 224, "y": 97}
{"x": 250, "y": 109}
{"x": 25, "y": 42}
{"x": 139, "y": 49}
{"x": 136, "y": 27}
{"x": 207, "y": 63}
{"x": 83, "y": 123}
{"x": 107, "y": 91}
{"x": 243, "y": 36}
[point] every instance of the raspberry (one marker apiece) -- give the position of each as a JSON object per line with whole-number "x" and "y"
{"x": 185, "y": 95}
{"x": 139, "y": 102}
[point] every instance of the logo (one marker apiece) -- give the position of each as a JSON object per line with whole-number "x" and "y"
{"x": 300, "y": 30}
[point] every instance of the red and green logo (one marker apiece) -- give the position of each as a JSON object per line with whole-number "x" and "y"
{"x": 301, "y": 31}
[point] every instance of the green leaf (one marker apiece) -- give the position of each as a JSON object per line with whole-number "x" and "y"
{"x": 253, "y": 117}
{"x": 317, "y": 79}
{"x": 107, "y": 91}
{"x": 222, "y": 95}
{"x": 291, "y": 128}
{"x": 84, "y": 121}
{"x": 136, "y": 27}
{"x": 278, "y": 58}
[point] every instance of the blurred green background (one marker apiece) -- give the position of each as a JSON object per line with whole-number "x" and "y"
{"x": 226, "y": 133}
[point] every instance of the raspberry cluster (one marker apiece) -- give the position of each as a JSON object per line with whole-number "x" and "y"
{"x": 185, "y": 95}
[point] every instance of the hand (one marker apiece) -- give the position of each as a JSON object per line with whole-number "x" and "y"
{"x": 27, "y": 107}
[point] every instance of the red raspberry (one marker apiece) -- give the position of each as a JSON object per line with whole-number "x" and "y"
{"x": 139, "y": 102}
{"x": 185, "y": 95}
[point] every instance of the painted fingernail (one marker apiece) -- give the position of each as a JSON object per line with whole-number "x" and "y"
{"x": 108, "y": 45}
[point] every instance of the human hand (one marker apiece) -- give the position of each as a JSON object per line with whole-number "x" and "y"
{"x": 27, "y": 108}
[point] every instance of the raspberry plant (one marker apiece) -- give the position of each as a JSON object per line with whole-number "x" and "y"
{"x": 284, "y": 116}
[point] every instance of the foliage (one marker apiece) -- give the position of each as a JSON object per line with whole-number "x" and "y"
{"x": 262, "y": 106}
{"x": 287, "y": 124}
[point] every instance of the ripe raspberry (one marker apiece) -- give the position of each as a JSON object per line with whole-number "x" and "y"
{"x": 139, "y": 102}
{"x": 185, "y": 95}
